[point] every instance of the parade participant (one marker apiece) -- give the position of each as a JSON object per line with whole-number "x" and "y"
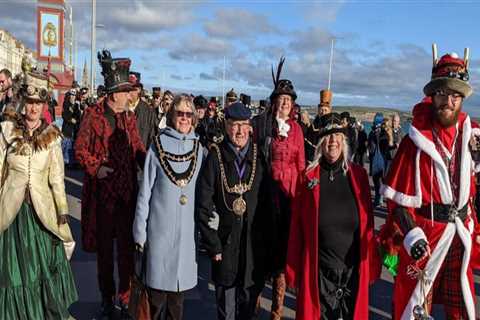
{"x": 36, "y": 280}
{"x": 201, "y": 129}
{"x": 362, "y": 142}
{"x": 324, "y": 107}
{"x": 233, "y": 181}
{"x": 378, "y": 149}
{"x": 230, "y": 98}
{"x": 397, "y": 134}
{"x": 429, "y": 188}
{"x": 146, "y": 117}
{"x": 71, "y": 122}
{"x": 332, "y": 277}
{"x": 109, "y": 148}
{"x": 6, "y": 91}
{"x": 281, "y": 139}
{"x": 100, "y": 91}
{"x": 164, "y": 107}
{"x": 156, "y": 98}
{"x": 164, "y": 222}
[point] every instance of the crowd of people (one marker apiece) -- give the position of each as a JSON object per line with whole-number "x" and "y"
{"x": 271, "y": 197}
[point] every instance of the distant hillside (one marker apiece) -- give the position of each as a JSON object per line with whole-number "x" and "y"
{"x": 366, "y": 113}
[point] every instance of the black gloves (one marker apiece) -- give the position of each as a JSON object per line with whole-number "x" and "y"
{"x": 419, "y": 249}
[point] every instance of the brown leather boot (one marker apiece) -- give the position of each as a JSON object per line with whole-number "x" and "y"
{"x": 279, "y": 286}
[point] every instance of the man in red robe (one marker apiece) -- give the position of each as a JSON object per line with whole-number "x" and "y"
{"x": 110, "y": 149}
{"x": 432, "y": 222}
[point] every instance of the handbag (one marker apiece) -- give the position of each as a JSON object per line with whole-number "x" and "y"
{"x": 138, "y": 305}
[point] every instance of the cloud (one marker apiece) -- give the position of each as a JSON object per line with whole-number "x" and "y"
{"x": 198, "y": 47}
{"x": 206, "y": 76}
{"x": 315, "y": 39}
{"x": 322, "y": 12}
{"x": 238, "y": 23}
{"x": 147, "y": 16}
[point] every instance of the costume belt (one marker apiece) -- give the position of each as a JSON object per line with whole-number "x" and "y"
{"x": 444, "y": 212}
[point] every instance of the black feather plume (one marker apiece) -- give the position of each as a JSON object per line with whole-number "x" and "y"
{"x": 279, "y": 71}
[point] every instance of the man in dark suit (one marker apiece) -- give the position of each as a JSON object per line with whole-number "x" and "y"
{"x": 234, "y": 182}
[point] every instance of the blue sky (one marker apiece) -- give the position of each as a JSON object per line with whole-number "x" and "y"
{"x": 382, "y": 52}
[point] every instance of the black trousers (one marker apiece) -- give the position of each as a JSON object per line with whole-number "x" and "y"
{"x": 237, "y": 302}
{"x": 115, "y": 221}
{"x": 166, "y": 305}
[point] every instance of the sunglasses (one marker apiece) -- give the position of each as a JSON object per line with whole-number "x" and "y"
{"x": 183, "y": 114}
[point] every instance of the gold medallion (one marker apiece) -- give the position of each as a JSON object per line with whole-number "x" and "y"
{"x": 239, "y": 206}
{"x": 183, "y": 199}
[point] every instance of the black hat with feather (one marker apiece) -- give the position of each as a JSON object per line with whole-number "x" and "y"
{"x": 282, "y": 86}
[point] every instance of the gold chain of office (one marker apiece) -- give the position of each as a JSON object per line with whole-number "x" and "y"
{"x": 239, "y": 206}
{"x": 164, "y": 156}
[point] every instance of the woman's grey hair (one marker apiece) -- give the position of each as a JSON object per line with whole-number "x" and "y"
{"x": 178, "y": 100}
{"x": 319, "y": 153}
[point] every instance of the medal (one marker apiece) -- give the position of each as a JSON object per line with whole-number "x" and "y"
{"x": 183, "y": 199}
{"x": 239, "y": 206}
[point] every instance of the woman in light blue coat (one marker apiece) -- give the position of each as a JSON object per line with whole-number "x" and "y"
{"x": 164, "y": 221}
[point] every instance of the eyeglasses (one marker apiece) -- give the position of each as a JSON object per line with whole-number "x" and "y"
{"x": 183, "y": 114}
{"x": 455, "y": 96}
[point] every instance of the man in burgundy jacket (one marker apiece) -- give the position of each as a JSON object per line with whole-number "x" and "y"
{"x": 110, "y": 149}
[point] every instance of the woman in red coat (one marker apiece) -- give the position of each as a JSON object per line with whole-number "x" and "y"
{"x": 331, "y": 244}
{"x": 287, "y": 160}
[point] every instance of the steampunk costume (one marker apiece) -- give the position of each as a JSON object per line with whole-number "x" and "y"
{"x": 36, "y": 280}
{"x": 311, "y": 138}
{"x": 110, "y": 139}
{"x": 147, "y": 121}
{"x": 235, "y": 183}
{"x": 430, "y": 192}
{"x": 282, "y": 144}
{"x": 71, "y": 115}
{"x": 331, "y": 246}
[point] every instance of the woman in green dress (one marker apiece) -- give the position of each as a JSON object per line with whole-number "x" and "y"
{"x": 36, "y": 281}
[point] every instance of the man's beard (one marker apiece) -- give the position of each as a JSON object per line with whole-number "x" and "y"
{"x": 444, "y": 121}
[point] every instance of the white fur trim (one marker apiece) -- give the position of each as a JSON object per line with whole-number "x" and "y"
{"x": 466, "y": 238}
{"x": 434, "y": 264}
{"x": 465, "y": 165}
{"x": 441, "y": 171}
{"x": 413, "y": 236}
{"x": 402, "y": 198}
{"x": 432, "y": 268}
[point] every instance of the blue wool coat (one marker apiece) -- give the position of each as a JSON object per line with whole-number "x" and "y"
{"x": 162, "y": 225}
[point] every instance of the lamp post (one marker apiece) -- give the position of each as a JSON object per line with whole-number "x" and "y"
{"x": 93, "y": 35}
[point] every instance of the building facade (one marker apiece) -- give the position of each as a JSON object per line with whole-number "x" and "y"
{"x": 12, "y": 51}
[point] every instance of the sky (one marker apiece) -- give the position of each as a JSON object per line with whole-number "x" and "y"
{"x": 382, "y": 53}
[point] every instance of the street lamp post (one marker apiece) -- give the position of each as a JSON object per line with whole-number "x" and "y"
{"x": 92, "y": 61}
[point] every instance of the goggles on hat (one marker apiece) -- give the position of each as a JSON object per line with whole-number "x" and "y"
{"x": 459, "y": 75}
{"x": 32, "y": 91}
{"x": 285, "y": 84}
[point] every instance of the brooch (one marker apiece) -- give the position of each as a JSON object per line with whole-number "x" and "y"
{"x": 312, "y": 183}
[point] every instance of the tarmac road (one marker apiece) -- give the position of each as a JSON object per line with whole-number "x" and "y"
{"x": 200, "y": 301}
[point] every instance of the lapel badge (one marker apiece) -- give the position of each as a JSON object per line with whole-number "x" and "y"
{"x": 312, "y": 183}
